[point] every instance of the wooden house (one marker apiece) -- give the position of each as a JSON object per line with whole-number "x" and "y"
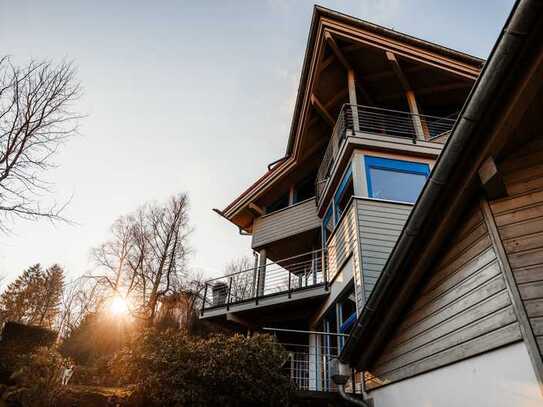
{"x": 456, "y": 318}
{"x": 374, "y": 110}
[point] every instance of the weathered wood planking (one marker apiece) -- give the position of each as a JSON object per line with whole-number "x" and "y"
{"x": 463, "y": 309}
{"x": 519, "y": 219}
{"x": 379, "y": 225}
{"x": 285, "y": 223}
{"x": 341, "y": 243}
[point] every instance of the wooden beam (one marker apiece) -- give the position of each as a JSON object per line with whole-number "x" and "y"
{"x": 336, "y": 50}
{"x": 321, "y": 110}
{"x": 430, "y": 89}
{"x": 256, "y": 208}
{"x": 514, "y": 293}
{"x": 409, "y": 95}
{"x": 492, "y": 180}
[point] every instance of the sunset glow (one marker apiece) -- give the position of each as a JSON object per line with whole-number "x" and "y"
{"x": 118, "y": 306}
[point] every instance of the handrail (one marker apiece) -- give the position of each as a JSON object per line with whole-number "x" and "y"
{"x": 356, "y": 119}
{"x": 287, "y": 275}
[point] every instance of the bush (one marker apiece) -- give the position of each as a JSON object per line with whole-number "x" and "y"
{"x": 170, "y": 368}
{"x": 38, "y": 377}
{"x": 17, "y": 340}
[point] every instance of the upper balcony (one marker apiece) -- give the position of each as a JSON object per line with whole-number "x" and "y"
{"x": 283, "y": 223}
{"x": 384, "y": 129}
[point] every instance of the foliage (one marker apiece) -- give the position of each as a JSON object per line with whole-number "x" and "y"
{"x": 170, "y": 368}
{"x": 18, "y": 340}
{"x": 38, "y": 377}
{"x": 96, "y": 338}
{"x": 34, "y": 297}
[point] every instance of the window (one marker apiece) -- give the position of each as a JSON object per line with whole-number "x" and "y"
{"x": 327, "y": 224}
{"x": 280, "y": 203}
{"x": 305, "y": 189}
{"x": 395, "y": 180}
{"x": 343, "y": 194}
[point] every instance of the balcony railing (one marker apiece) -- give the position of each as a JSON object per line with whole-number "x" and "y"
{"x": 355, "y": 119}
{"x": 282, "y": 277}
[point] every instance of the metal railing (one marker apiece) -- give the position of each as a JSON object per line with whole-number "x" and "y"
{"x": 355, "y": 119}
{"x": 281, "y": 277}
{"x": 310, "y": 368}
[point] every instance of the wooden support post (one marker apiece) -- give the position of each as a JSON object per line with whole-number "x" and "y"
{"x": 352, "y": 99}
{"x": 420, "y": 132}
{"x": 492, "y": 180}
{"x": 291, "y": 195}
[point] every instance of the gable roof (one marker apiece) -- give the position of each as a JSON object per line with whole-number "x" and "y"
{"x": 326, "y": 17}
{"x": 482, "y": 129}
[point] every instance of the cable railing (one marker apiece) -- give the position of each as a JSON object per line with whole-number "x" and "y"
{"x": 355, "y": 120}
{"x": 310, "y": 368}
{"x": 285, "y": 276}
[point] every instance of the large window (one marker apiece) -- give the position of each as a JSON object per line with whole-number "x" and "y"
{"x": 395, "y": 180}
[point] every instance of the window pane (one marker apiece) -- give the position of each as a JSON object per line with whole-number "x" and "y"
{"x": 396, "y": 185}
{"x": 327, "y": 224}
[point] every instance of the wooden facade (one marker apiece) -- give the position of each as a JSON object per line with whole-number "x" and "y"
{"x": 379, "y": 225}
{"x": 464, "y": 309}
{"x": 284, "y": 223}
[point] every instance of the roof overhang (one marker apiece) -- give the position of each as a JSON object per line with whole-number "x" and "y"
{"x": 500, "y": 97}
{"x": 357, "y": 31}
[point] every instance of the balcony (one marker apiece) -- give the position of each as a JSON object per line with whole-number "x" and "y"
{"x": 291, "y": 279}
{"x": 365, "y": 121}
{"x": 293, "y": 220}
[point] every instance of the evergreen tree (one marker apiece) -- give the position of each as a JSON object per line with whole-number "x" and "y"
{"x": 34, "y": 297}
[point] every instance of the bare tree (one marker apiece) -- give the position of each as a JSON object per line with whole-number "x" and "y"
{"x": 36, "y": 117}
{"x": 145, "y": 258}
{"x": 80, "y": 297}
{"x": 241, "y": 272}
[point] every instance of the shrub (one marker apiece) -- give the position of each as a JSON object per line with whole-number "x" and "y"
{"x": 38, "y": 377}
{"x": 170, "y": 368}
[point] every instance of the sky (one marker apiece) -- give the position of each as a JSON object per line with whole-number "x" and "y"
{"x": 185, "y": 96}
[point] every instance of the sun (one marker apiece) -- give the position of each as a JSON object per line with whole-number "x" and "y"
{"x": 118, "y": 306}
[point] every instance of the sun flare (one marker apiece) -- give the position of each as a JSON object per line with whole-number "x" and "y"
{"x": 118, "y": 306}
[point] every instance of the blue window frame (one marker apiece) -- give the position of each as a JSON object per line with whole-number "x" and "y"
{"x": 327, "y": 224}
{"x": 343, "y": 193}
{"x": 395, "y": 180}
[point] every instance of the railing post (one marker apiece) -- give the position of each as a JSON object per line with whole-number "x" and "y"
{"x": 204, "y": 299}
{"x": 325, "y": 269}
{"x": 228, "y": 294}
{"x": 289, "y": 284}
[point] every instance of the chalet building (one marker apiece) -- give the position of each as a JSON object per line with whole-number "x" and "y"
{"x": 380, "y": 118}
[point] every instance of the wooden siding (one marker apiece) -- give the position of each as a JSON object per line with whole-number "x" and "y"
{"x": 379, "y": 224}
{"x": 286, "y": 222}
{"x": 519, "y": 219}
{"x": 463, "y": 309}
{"x": 342, "y": 242}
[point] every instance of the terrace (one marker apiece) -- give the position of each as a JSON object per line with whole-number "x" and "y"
{"x": 291, "y": 279}
{"x": 393, "y": 126}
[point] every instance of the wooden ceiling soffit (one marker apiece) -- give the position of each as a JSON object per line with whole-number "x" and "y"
{"x": 408, "y": 51}
{"x": 430, "y": 89}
